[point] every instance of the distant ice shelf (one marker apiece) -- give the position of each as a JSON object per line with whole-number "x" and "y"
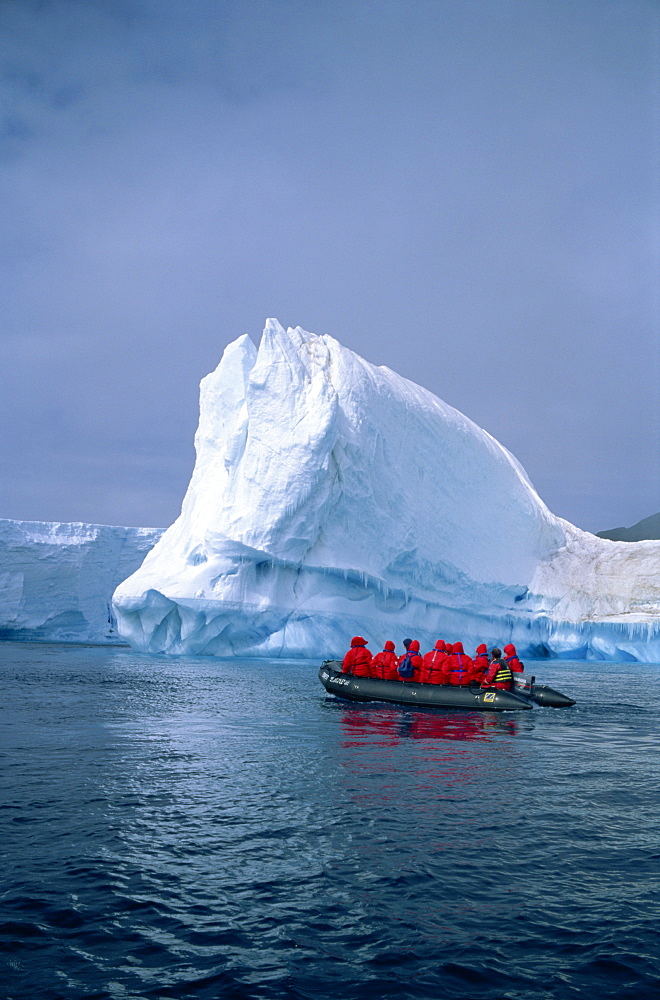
{"x": 57, "y": 580}
{"x": 331, "y": 497}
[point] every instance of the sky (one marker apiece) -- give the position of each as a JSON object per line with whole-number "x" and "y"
{"x": 465, "y": 191}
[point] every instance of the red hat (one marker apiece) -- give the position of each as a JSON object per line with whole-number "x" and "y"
{"x": 357, "y": 640}
{"x": 389, "y": 646}
{"x": 413, "y": 647}
{"x": 481, "y": 650}
{"x": 440, "y": 644}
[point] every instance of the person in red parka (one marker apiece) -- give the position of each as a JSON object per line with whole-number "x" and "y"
{"x": 498, "y": 674}
{"x": 461, "y": 666}
{"x": 511, "y": 658}
{"x": 358, "y": 659}
{"x": 481, "y": 663}
{"x": 384, "y": 664}
{"x": 415, "y": 660}
{"x": 446, "y": 666}
{"x": 432, "y": 670}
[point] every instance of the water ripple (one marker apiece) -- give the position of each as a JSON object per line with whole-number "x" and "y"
{"x": 196, "y": 828}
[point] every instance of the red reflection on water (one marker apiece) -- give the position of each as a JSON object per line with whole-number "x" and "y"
{"x": 451, "y": 759}
{"x": 386, "y": 727}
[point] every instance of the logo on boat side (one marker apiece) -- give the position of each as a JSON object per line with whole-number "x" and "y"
{"x": 490, "y": 696}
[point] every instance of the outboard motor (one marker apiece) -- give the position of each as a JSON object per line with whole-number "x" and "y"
{"x": 523, "y": 684}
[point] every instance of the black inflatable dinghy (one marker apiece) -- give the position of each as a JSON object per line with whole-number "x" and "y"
{"x": 525, "y": 694}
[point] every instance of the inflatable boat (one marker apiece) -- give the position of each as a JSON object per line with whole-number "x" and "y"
{"x": 525, "y": 695}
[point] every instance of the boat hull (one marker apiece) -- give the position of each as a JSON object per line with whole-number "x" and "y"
{"x": 423, "y": 695}
{"x": 540, "y": 694}
{"x": 549, "y": 698}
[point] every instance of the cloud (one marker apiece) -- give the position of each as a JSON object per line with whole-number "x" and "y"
{"x": 461, "y": 192}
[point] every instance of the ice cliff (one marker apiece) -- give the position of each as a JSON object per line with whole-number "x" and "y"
{"x": 332, "y": 497}
{"x": 56, "y": 580}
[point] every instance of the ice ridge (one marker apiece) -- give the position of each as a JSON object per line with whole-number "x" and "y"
{"x": 331, "y": 497}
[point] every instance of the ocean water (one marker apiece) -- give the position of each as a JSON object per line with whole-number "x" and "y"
{"x": 199, "y": 828}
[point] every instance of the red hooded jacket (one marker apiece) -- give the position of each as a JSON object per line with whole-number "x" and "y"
{"x": 358, "y": 659}
{"x": 461, "y": 666}
{"x": 481, "y": 663}
{"x": 384, "y": 664}
{"x": 416, "y": 661}
{"x": 511, "y": 658}
{"x": 446, "y": 666}
{"x": 432, "y": 671}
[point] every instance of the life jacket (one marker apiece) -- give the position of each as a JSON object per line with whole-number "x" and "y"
{"x": 503, "y": 675}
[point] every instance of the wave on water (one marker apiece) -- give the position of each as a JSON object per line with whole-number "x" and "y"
{"x": 191, "y": 828}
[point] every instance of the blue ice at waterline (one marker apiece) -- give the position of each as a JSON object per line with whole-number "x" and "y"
{"x": 332, "y": 497}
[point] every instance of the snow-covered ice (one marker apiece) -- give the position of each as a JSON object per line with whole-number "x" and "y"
{"x": 56, "y": 580}
{"x": 331, "y": 497}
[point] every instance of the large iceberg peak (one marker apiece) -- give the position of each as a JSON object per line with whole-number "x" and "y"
{"x": 329, "y": 496}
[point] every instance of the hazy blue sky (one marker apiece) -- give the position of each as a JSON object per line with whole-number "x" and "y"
{"x": 463, "y": 190}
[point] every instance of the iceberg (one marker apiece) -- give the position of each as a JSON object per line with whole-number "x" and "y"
{"x": 57, "y": 580}
{"x": 331, "y": 497}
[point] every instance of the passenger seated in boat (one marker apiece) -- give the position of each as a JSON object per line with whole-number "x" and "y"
{"x": 461, "y": 666}
{"x": 511, "y": 658}
{"x": 358, "y": 659}
{"x": 498, "y": 674}
{"x": 481, "y": 663}
{"x": 384, "y": 665}
{"x": 432, "y": 672}
{"x": 446, "y": 666}
{"x": 410, "y": 661}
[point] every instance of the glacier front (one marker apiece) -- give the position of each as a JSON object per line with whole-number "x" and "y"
{"x": 57, "y": 579}
{"x": 331, "y": 497}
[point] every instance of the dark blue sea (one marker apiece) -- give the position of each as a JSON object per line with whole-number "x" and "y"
{"x": 200, "y": 828}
